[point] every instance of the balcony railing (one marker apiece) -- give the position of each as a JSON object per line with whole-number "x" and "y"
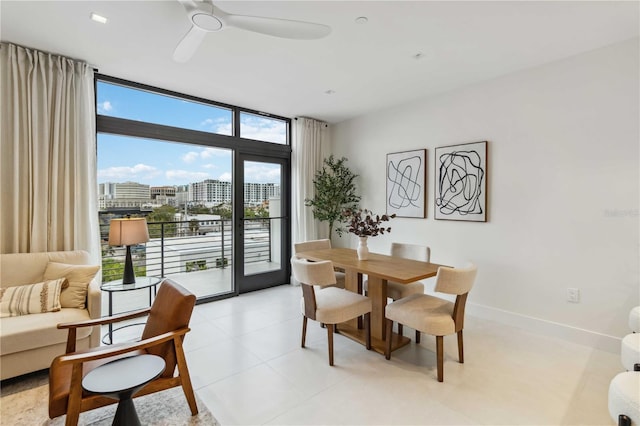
{"x": 187, "y": 246}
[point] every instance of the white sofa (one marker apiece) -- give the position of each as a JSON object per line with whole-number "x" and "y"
{"x": 30, "y": 342}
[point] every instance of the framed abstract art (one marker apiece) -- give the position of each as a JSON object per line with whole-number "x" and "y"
{"x": 406, "y": 183}
{"x": 461, "y": 182}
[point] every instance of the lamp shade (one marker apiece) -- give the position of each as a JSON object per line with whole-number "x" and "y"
{"x": 126, "y": 232}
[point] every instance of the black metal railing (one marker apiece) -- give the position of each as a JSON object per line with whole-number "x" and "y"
{"x": 187, "y": 246}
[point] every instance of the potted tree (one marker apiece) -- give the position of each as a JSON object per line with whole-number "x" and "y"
{"x": 335, "y": 191}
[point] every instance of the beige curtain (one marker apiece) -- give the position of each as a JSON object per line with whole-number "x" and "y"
{"x": 309, "y": 148}
{"x": 48, "y": 153}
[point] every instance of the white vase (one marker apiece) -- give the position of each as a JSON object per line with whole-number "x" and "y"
{"x": 363, "y": 250}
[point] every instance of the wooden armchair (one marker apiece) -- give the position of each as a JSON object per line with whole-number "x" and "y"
{"x": 163, "y": 336}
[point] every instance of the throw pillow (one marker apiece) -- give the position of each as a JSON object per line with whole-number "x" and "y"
{"x": 32, "y": 298}
{"x": 79, "y": 277}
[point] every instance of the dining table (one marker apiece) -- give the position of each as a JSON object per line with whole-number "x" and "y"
{"x": 379, "y": 269}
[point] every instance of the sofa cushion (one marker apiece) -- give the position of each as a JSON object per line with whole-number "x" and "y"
{"x": 38, "y": 330}
{"x": 28, "y": 268}
{"x": 31, "y": 299}
{"x": 79, "y": 277}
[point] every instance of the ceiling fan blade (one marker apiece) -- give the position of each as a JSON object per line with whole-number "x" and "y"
{"x": 189, "y": 44}
{"x": 189, "y": 5}
{"x": 283, "y": 28}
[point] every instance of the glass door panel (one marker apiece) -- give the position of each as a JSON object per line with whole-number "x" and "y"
{"x": 262, "y": 224}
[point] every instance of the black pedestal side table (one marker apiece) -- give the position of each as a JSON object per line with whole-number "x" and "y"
{"x": 121, "y": 379}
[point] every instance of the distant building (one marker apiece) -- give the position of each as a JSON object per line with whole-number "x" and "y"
{"x": 257, "y": 193}
{"x": 127, "y": 194}
{"x": 210, "y": 192}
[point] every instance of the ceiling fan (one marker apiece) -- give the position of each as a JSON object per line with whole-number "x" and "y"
{"x": 206, "y": 18}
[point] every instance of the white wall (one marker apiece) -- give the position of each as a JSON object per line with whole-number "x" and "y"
{"x": 563, "y": 187}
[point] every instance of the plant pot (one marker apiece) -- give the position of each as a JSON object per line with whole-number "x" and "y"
{"x": 363, "y": 250}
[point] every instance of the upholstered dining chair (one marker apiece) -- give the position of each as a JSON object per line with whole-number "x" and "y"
{"x": 320, "y": 245}
{"x": 163, "y": 335}
{"x": 331, "y": 305}
{"x": 397, "y": 291}
{"x": 433, "y": 315}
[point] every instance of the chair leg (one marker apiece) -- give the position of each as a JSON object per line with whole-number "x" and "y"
{"x": 400, "y": 329}
{"x": 330, "y": 342}
{"x": 75, "y": 396}
{"x": 387, "y": 349}
{"x": 304, "y": 330}
{"x": 185, "y": 378}
{"x": 460, "y": 348}
{"x": 624, "y": 420}
{"x": 367, "y": 330}
{"x": 417, "y": 336}
{"x": 440, "y": 357}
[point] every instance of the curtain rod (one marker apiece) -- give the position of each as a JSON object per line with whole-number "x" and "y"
{"x": 322, "y": 122}
{"x": 93, "y": 67}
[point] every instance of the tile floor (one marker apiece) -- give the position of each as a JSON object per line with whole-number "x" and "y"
{"x": 247, "y": 365}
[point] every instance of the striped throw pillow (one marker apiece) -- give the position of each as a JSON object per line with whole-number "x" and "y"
{"x": 32, "y": 298}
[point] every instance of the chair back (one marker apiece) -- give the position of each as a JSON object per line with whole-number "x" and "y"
{"x": 411, "y": 251}
{"x": 313, "y": 273}
{"x": 455, "y": 280}
{"x": 312, "y": 245}
{"x": 171, "y": 310}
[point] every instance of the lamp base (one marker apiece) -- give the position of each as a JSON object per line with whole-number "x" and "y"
{"x": 128, "y": 277}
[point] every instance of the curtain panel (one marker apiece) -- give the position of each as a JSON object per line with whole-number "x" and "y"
{"x": 48, "y": 153}
{"x": 309, "y": 148}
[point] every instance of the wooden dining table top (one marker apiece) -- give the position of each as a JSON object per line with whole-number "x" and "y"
{"x": 390, "y": 268}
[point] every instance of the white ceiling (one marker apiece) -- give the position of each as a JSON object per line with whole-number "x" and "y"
{"x": 369, "y": 66}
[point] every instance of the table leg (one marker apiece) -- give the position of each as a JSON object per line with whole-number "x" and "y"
{"x": 126, "y": 414}
{"x": 377, "y": 292}
{"x": 110, "y": 314}
{"x": 377, "y": 289}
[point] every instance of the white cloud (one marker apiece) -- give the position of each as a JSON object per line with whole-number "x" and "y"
{"x": 263, "y": 129}
{"x": 215, "y": 152}
{"x": 226, "y": 177}
{"x": 220, "y": 125}
{"x": 190, "y": 157}
{"x": 104, "y": 107}
{"x": 209, "y": 166}
{"x": 139, "y": 171}
{"x": 186, "y": 175}
{"x": 262, "y": 173}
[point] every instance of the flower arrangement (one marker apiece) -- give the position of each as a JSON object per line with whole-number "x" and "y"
{"x": 364, "y": 223}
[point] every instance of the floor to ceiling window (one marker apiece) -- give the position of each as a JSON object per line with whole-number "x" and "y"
{"x": 211, "y": 179}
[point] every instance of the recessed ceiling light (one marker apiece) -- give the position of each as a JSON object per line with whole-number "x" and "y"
{"x": 362, "y": 20}
{"x": 329, "y": 92}
{"x": 98, "y": 18}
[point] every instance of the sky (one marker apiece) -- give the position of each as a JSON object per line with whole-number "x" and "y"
{"x": 159, "y": 163}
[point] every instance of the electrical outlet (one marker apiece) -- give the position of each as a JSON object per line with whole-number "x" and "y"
{"x": 573, "y": 295}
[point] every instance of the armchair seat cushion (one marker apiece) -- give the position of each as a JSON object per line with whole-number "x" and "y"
{"x": 624, "y": 397}
{"x": 630, "y": 350}
{"x": 335, "y": 305}
{"x": 27, "y": 332}
{"x": 634, "y": 319}
{"x": 425, "y": 313}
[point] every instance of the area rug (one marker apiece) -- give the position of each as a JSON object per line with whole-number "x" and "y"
{"x": 25, "y": 402}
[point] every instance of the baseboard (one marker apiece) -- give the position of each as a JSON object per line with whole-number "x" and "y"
{"x": 547, "y": 328}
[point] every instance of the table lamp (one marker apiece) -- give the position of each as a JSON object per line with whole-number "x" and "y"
{"x": 127, "y": 232}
